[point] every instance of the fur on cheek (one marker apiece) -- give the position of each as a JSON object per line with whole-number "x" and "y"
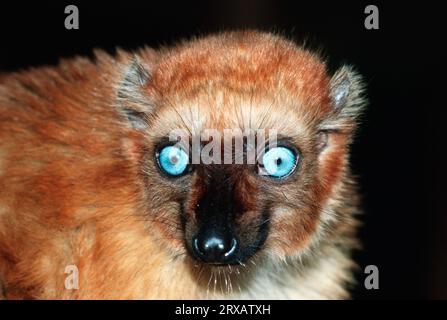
{"x": 332, "y": 164}
{"x": 291, "y": 232}
{"x": 295, "y": 230}
{"x": 133, "y": 148}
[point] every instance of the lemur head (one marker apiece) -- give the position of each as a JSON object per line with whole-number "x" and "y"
{"x": 191, "y": 107}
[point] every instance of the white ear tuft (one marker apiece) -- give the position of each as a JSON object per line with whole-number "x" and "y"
{"x": 346, "y": 91}
{"x": 131, "y": 99}
{"x": 340, "y": 85}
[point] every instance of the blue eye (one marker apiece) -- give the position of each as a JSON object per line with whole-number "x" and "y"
{"x": 173, "y": 160}
{"x": 278, "y": 162}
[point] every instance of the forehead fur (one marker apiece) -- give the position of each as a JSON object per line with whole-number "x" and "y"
{"x": 217, "y": 79}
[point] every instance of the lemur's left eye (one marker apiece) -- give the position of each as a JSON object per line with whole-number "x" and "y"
{"x": 278, "y": 162}
{"x": 173, "y": 160}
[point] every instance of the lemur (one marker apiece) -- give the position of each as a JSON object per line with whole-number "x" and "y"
{"x": 90, "y": 178}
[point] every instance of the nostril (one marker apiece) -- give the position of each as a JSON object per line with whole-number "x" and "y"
{"x": 215, "y": 248}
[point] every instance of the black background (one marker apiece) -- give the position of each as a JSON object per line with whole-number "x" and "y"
{"x": 398, "y": 153}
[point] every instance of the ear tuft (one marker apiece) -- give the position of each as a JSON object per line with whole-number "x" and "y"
{"x": 346, "y": 91}
{"x": 131, "y": 99}
{"x": 137, "y": 74}
{"x": 340, "y": 85}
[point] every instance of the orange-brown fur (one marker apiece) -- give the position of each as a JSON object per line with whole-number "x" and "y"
{"x": 77, "y": 185}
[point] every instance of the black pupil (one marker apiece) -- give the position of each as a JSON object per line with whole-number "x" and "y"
{"x": 278, "y": 161}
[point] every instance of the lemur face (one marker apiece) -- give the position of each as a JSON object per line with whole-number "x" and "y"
{"x": 243, "y": 189}
{"x": 264, "y": 190}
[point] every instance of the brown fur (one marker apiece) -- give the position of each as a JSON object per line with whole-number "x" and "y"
{"x": 78, "y": 184}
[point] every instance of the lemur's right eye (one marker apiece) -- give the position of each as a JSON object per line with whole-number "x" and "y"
{"x": 278, "y": 162}
{"x": 173, "y": 160}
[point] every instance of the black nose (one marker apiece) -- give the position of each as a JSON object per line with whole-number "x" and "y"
{"x": 213, "y": 247}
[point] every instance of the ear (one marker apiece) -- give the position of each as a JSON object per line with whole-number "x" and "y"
{"x": 132, "y": 102}
{"x": 346, "y": 90}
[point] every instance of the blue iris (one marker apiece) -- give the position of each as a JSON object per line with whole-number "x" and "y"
{"x": 173, "y": 160}
{"x": 279, "y": 162}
